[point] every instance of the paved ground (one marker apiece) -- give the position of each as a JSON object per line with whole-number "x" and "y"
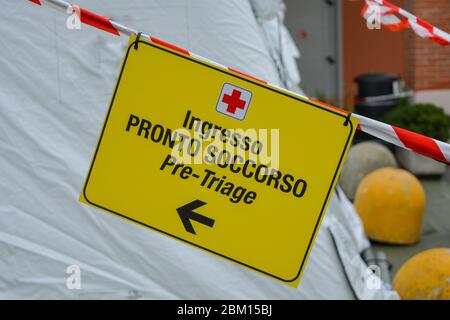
{"x": 436, "y": 226}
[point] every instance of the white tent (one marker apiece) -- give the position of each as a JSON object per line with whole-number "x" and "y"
{"x": 55, "y": 85}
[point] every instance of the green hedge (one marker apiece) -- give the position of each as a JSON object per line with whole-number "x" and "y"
{"x": 426, "y": 119}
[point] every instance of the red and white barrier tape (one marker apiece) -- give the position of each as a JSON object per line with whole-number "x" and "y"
{"x": 420, "y": 144}
{"x": 389, "y": 17}
{"x": 385, "y": 97}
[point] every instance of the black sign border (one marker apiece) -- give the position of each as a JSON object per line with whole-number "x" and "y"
{"x": 255, "y": 82}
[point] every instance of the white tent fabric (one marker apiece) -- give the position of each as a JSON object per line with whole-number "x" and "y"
{"x": 55, "y": 85}
{"x": 281, "y": 46}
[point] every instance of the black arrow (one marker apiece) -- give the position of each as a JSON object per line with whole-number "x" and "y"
{"x": 187, "y": 214}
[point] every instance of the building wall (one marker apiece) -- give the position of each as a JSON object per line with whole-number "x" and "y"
{"x": 429, "y": 71}
{"x": 430, "y": 62}
{"x": 423, "y": 65}
{"x": 366, "y": 50}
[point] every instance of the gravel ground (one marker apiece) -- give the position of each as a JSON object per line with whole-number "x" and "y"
{"x": 435, "y": 228}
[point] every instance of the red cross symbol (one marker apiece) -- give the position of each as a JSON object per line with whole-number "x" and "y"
{"x": 234, "y": 101}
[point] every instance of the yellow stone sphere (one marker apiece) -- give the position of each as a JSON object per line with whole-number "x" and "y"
{"x": 425, "y": 276}
{"x": 391, "y": 204}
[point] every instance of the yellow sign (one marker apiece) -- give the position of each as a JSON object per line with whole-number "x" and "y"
{"x": 217, "y": 160}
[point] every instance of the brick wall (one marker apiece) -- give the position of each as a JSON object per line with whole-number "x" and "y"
{"x": 367, "y": 50}
{"x": 428, "y": 62}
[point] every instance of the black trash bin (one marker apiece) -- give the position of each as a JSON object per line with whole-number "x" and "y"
{"x": 375, "y": 85}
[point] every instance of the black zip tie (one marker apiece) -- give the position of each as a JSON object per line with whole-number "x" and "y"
{"x": 347, "y": 119}
{"x": 136, "y": 44}
{"x": 376, "y": 260}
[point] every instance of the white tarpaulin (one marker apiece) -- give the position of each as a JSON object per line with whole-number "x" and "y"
{"x": 55, "y": 86}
